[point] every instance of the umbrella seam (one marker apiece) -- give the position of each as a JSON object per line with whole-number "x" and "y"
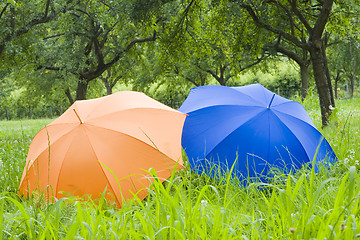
{"x": 313, "y": 126}
{"x": 156, "y": 148}
{"x": 98, "y": 105}
{"x": 310, "y": 159}
{"x": 48, "y": 145}
{"x": 226, "y": 88}
{"x": 272, "y": 93}
{"x": 268, "y": 154}
{"x": 252, "y": 98}
{"x": 235, "y": 105}
{"x": 262, "y": 88}
{"x": 57, "y": 180}
{"x": 235, "y": 116}
{"x": 136, "y": 108}
{"x": 290, "y": 101}
{"x": 105, "y": 98}
{"x": 101, "y": 166}
{"x": 251, "y": 119}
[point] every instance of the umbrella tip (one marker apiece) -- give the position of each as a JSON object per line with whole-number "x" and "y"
{"x": 271, "y": 101}
{"x": 81, "y": 122}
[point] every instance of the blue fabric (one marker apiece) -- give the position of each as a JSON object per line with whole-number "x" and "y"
{"x": 250, "y": 128}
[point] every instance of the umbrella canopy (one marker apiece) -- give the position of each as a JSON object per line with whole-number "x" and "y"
{"x": 105, "y": 143}
{"x": 251, "y": 124}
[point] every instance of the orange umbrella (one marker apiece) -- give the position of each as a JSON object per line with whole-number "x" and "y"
{"x": 106, "y": 143}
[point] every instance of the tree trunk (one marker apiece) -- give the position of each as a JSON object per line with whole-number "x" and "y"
{"x": 81, "y": 89}
{"x": 351, "y": 86}
{"x": 353, "y": 69}
{"x": 336, "y": 83}
{"x": 68, "y": 94}
{"x": 108, "y": 88}
{"x": 321, "y": 81}
{"x": 327, "y": 73}
{"x": 304, "y": 80}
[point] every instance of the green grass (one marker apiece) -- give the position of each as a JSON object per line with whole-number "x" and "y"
{"x": 303, "y": 205}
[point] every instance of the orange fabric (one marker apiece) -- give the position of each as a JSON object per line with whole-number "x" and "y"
{"x": 121, "y": 137}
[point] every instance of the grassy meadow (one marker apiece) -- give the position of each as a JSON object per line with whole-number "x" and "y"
{"x": 303, "y": 205}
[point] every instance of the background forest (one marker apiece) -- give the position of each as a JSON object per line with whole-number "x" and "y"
{"x": 53, "y": 52}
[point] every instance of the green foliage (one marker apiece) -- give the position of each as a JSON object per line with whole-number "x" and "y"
{"x": 279, "y": 77}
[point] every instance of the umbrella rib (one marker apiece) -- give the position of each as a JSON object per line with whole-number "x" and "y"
{"x": 225, "y": 105}
{"x": 51, "y": 143}
{"x": 268, "y": 153}
{"x": 104, "y": 98}
{"x": 57, "y": 180}
{"x": 235, "y": 116}
{"x": 251, "y": 119}
{"x": 252, "y": 98}
{"x": 289, "y": 101}
{"x": 101, "y": 167}
{"x": 295, "y": 137}
{"x": 155, "y": 147}
{"x": 131, "y": 109}
{"x": 299, "y": 119}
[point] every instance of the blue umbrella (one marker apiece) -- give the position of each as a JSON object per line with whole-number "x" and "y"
{"x": 250, "y": 129}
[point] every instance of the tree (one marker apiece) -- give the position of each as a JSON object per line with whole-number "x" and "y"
{"x": 344, "y": 55}
{"x": 206, "y": 48}
{"x": 18, "y": 19}
{"x": 300, "y": 24}
{"x": 91, "y": 38}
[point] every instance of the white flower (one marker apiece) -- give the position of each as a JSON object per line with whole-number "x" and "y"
{"x": 331, "y": 108}
{"x": 204, "y": 202}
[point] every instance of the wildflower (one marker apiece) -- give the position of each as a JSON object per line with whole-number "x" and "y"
{"x": 204, "y": 202}
{"x": 342, "y": 227}
{"x": 292, "y": 230}
{"x": 357, "y": 162}
{"x": 331, "y": 108}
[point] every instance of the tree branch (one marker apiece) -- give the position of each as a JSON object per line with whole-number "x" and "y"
{"x": 322, "y": 19}
{"x": 295, "y": 9}
{"x": 53, "y": 68}
{"x": 54, "y": 36}
{"x": 261, "y": 24}
{"x": 101, "y": 68}
{"x": 102, "y": 43}
{"x": 115, "y": 81}
{"x": 288, "y": 13}
{"x": 68, "y": 94}
{"x": 135, "y": 41}
{"x": 129, "y": 46}
{"x": 182, "y": 19}
{"x": 252, "y": 64}
{"x": 192, "y": 81}
{"x": 46, "y": 8}
{"x": 213, "y": 73}
{"x": 107, "y": 5}
{"x": 289, "y": 54}
{"x": 4, "y": 9}
{"x": 35, "y": 21}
